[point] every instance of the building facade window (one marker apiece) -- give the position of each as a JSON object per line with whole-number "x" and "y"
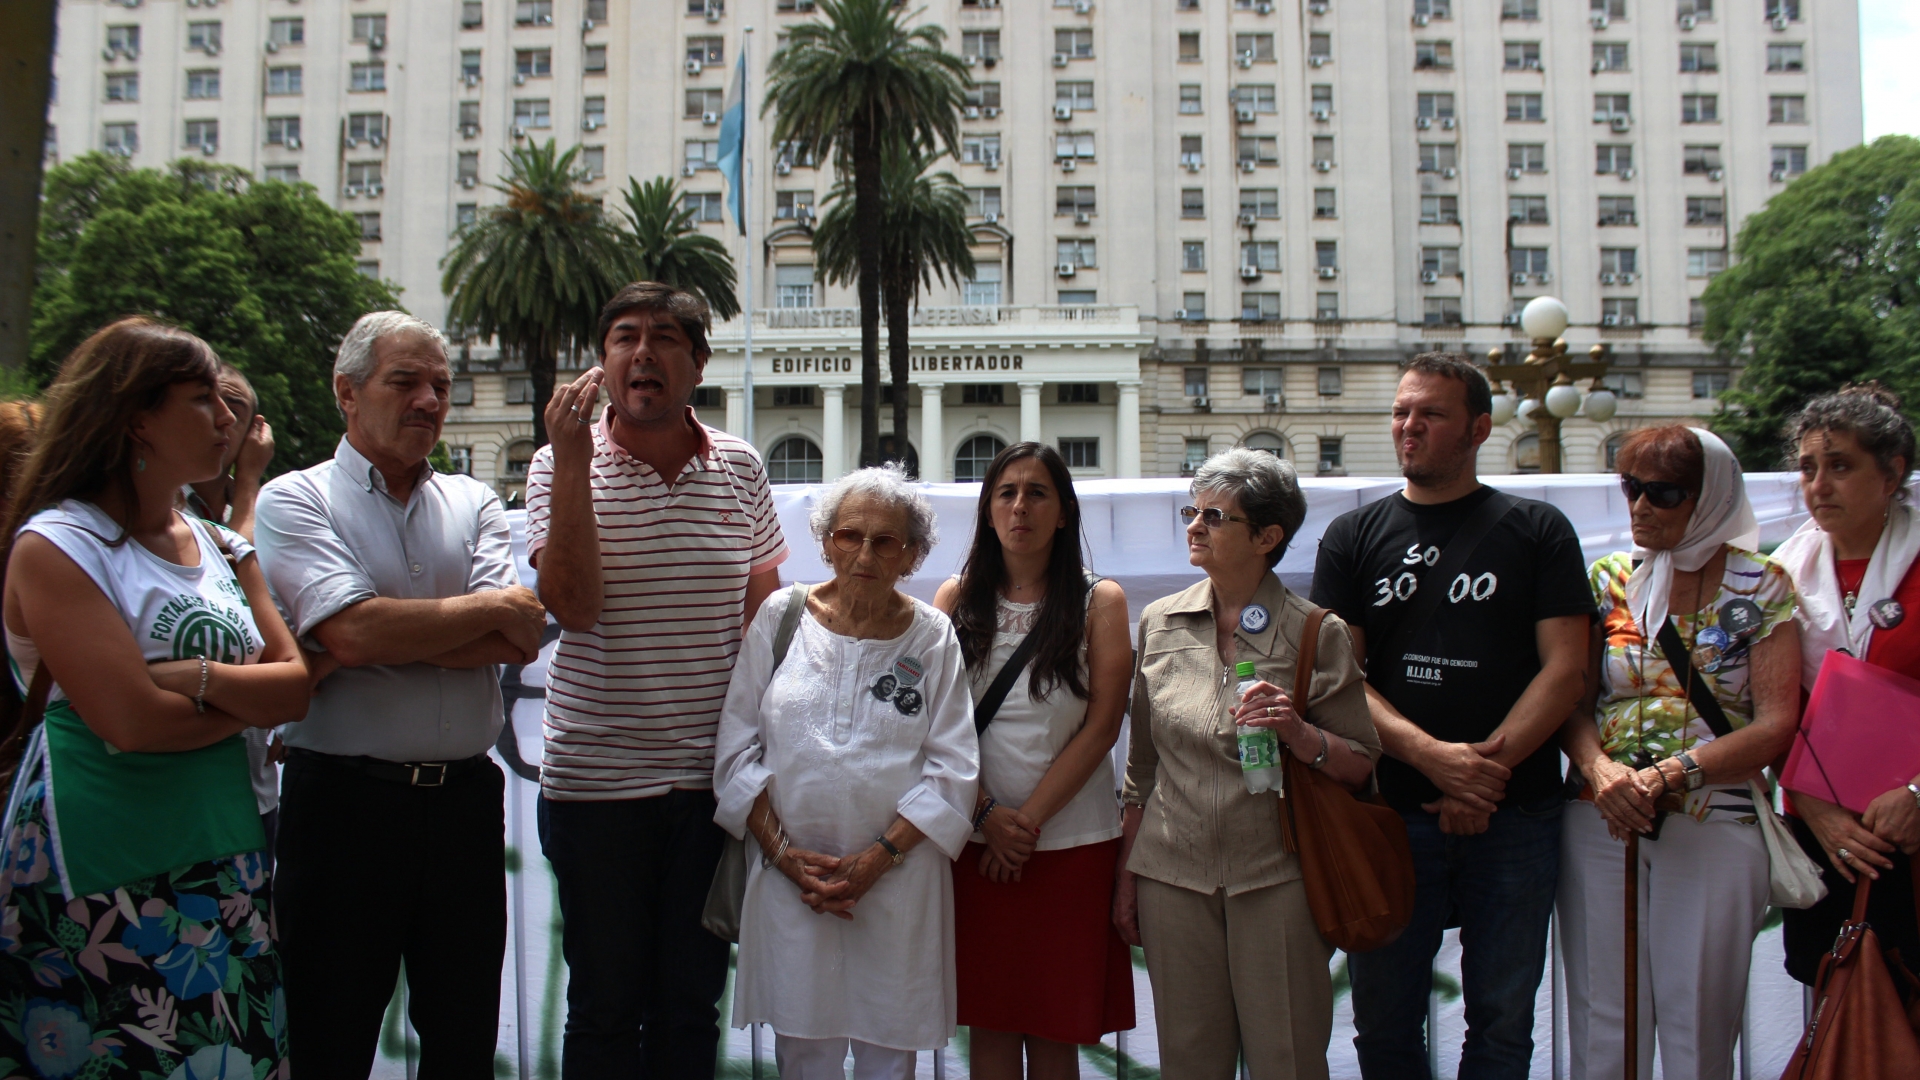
{"x": 1705, "y": 262}
{"x": 1706, "y": 210}
{"x": 367, "y": 77}
{"x": 1527, "y": 209}
{"x": 1699, "y": 108}
{"x": 1710, "y": 384}
{"x": 793, "y": 285}
{"x": 983, "y": 288}
{"x": 1331, "y": 456}
{"x": 975, "y": 454}
{"x": 1081, "y": 453}
{"x": 1330, "y": 382}
{"x": 203, "y": 84}
{"x": 1787, "y": 109}
{"x": 1616, "y": 210}
{"x": 1260, "y": 306}
{"x": 1526, "y": 107}
{"x": 795, "y": 460}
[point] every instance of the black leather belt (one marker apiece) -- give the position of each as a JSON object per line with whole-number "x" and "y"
{"x": 426, "y": 774}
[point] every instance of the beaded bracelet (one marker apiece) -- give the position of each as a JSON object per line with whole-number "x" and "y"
{"x": 980, "y": 819}
{"x": 200, "y": 697}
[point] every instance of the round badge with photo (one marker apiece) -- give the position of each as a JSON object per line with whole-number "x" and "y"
{"x": 1254, "y": 618}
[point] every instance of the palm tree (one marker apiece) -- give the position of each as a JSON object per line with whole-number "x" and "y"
{"x": 670, "y": 248}
{"x": 924, "y": 236}
{"x": 844, "y": 86}
{"x": 535, "y": 270}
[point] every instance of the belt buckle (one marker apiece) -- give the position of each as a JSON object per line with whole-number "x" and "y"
{"x": 439, "y": 779}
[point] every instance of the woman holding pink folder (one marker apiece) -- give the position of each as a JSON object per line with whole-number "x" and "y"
{"x": 1857, "y": 567}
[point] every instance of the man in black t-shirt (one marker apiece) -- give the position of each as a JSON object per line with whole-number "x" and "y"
{"x": 1466, "y": 710}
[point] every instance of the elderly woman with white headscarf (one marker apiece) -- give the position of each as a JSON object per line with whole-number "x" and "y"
{"x": 847, "y": 739}
{"x": 1654, "y": 765}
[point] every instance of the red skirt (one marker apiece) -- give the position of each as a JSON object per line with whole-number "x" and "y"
{"x": 1040, "y": 956}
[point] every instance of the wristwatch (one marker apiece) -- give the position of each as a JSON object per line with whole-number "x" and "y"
{"x": 1915, "y": 790}
{"x": 1690, "y": 771}
{"x": 893, "y": 852}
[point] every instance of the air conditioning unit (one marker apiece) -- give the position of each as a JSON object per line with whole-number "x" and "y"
{"x": 1317, "y": 9}
{"x": 1083, "y": 218}
{"x": 1323, "y": 165}
{"x": 1249, "y": 272}
{"x": 292, "y": 144}
{"x": 688, "y": 170}
{"x": 467, "y": 181}
{"x": 1423, "y": 122}
{"x": 992, "y": 164}
{"x": 1519, "y": 279}
{"x": 211, "y": 48}
{"x": 519, "y": 132}
{"x": 1083, "y": 7}
{"x": 1243, "y": 114}
{"x": 1600, "y": 66}
{"x": 1067, "y": 269}
{"x": 377, "y": 41}
{"x": 375, "y": 141}
{"x": 1599, "y": 20}
{"x": 1193, "y": 165}
{"x": 1781, "y": 22}
{"x": 710, "y": 118}
{"x": 1449, "y": 172}
{"x": 109, "y": 54}
{"x": 1245, "y": 60}
{"x": 991, "y": 112}
{"x": 991, "y": 218}
{"x": 783, "y": 167}
{"x": 585, "y": 125}
{"x": 1272, "y": 399}
{"x": 1317, "y": 60}
{"x": 272, "y": 47}
{"x": 1607, "y": 279}
{"x": 1626, "y": 174}
{"x": 1628, "y": 279}
{"x": 1510, "y": 319}
{"x": 1429, "y": 277}
{"x": 1513, "y": 174}
{"x": 519, "y": 79}
{"x": 471, "y": 78}
{"x": 374, "y": 189}
{"x": 1420, "y": 20}
{"x": 713, "y": 13}
{"x": 1067, "y": 164}
{"x": 1620, "y": 123}
{"x": 1263, "y": 8}
{"x": 351, "y": 142}
{"x": 1060, "y": 59}
{"x": 1329, "y": 273}
{"x": 209, "y": 149}
{"x": 971, "y": 112}
{"x": 1716, "y": 175}
{"x": 1530, "y": 65}
{"x": 1688, "y": 22}
{"x": 694, "y": 67}
{"x": 1247, "y": 165}
{"x": 1448, "y": 123}
{"x": 586, "y": 25}
{"x": 1543, "y": 278}
{"x": 353, "y": 191}
{"x": 1609, "y": 320}
{"x": 1778, "y": 175}
{"x": 1322, "y": 114}
{"x": 1246, "y": 221}
{"x": 1063, "y": 112}
{"x": 1198, "y": 402}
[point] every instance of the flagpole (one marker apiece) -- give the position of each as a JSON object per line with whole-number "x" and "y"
{"x": 746, "y": 218}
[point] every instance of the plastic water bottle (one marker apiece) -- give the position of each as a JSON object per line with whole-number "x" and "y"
{"x": 1259, "y": 747}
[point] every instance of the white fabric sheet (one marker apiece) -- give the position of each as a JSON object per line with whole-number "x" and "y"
{"x": 840, "y": 763}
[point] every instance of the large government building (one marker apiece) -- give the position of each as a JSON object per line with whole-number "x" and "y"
{"x": 1198, "y": 223}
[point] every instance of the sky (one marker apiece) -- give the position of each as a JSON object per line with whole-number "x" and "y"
{"x": 1889, "y": 76}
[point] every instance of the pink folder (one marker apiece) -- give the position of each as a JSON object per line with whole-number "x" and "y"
{"x": 1860, "y": 737}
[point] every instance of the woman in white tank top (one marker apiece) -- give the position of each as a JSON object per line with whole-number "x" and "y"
{"x": 1040, "y": 967}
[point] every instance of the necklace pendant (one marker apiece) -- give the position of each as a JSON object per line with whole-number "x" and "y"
{"x": 1850, "y": 599}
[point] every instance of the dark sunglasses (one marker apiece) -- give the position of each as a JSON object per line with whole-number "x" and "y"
{"x": 1662, "y": 493}
{"x": 1212, "y": 515}
{"x": 885, "y": 546}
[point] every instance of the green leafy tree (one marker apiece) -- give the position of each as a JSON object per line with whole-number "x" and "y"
{"x": 670, "y": 248}
{"x": 924, "y": 236}
{"x": 1825, "y": 291}
{"x": 535, "y": 270}
{"x": 266, "y": 272}
{"x": 845, "y": 86}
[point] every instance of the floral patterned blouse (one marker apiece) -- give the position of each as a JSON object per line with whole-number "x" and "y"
{"x": 1643, "y": 702}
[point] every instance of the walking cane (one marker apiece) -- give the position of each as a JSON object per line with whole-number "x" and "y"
{"x": 1633, "y": 957}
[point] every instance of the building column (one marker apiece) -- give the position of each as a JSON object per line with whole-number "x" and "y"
{"x": 933, "y": 436}
{"x": 736, "y": 411}
{"x": 1030, "y": 411}
{"x": 833, "y": 430}
{"x": 1127, "y": 456}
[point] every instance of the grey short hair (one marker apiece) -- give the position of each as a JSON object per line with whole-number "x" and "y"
{"x": 1264, "y": 484}
{"x": 355, "y": 358}
{"x": 889, "y": 484}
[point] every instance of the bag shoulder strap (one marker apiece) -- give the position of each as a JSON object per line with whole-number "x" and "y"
{"x": 789, "y": 622}
{"x": 1303, "y": 666}
{"x": 1698, "y": 692}
{"x": 1002, "y": 684}
{"x": 32, "y": 711}
{"x": 1426, "y": 600}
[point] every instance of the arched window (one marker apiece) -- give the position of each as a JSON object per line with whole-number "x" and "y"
{"x": 795, "y": 460}
{"x": 1526, "y": 453}
{"x": 1614, "y": 442}
{"x": 517, "y": 457}
{"x": 1271, "y": 442}
{"x": 970, "y": 464}
{"x": 890, "y": 452}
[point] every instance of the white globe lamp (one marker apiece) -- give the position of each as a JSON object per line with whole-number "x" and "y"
{"x": 1504, "y": 407}
{"x": 1544, "y": 318}
{"x": 1601, "y": 405}
{"x": 1563, "y": 401}
{"x": 1527, "y": 408}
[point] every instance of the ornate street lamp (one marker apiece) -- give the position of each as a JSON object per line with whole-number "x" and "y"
{"x": 1543, "y": 389}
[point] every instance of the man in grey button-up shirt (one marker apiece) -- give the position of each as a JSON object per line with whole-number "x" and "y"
{"x": 401, "y": 582}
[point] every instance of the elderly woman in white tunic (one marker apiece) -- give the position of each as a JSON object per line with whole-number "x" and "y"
{"x": 838, "y": 760}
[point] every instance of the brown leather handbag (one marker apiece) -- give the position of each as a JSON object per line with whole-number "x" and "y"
{"x": 1866, "y": 1012}
{"x": 1354, "y": 855}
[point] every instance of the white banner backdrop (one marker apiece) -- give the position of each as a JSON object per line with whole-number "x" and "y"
{"x": 1133, "y": 534}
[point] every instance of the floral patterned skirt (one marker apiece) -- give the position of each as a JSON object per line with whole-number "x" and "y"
{"x": 173, "y": 977}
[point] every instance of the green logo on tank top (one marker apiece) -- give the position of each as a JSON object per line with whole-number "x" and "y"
{"x": 195, "y": 628}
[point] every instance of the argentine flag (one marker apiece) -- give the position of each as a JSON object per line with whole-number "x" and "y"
{"x": 733, "y": 130}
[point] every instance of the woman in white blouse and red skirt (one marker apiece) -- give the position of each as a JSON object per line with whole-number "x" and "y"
{"x": 1041, "y": 969}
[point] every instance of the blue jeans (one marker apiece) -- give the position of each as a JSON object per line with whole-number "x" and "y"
{"x": 643, "y": 976}
{"x": 1498, "y": 888}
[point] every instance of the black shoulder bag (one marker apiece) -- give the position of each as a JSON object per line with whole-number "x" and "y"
{"x": 1433, "y": 586}
{"x": 1002, "y": 684}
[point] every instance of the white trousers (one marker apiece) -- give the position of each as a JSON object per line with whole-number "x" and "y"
{"x": 826, "y": 1059}
{"x": 1703, "y": 896}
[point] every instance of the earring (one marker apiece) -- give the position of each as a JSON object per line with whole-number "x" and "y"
{"x": 140, "y": 464}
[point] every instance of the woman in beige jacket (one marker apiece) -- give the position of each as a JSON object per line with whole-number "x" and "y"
{"x": 1238, "y": 967}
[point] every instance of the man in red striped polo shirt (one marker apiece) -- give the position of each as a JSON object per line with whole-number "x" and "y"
{"x": 655, "y": 539}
